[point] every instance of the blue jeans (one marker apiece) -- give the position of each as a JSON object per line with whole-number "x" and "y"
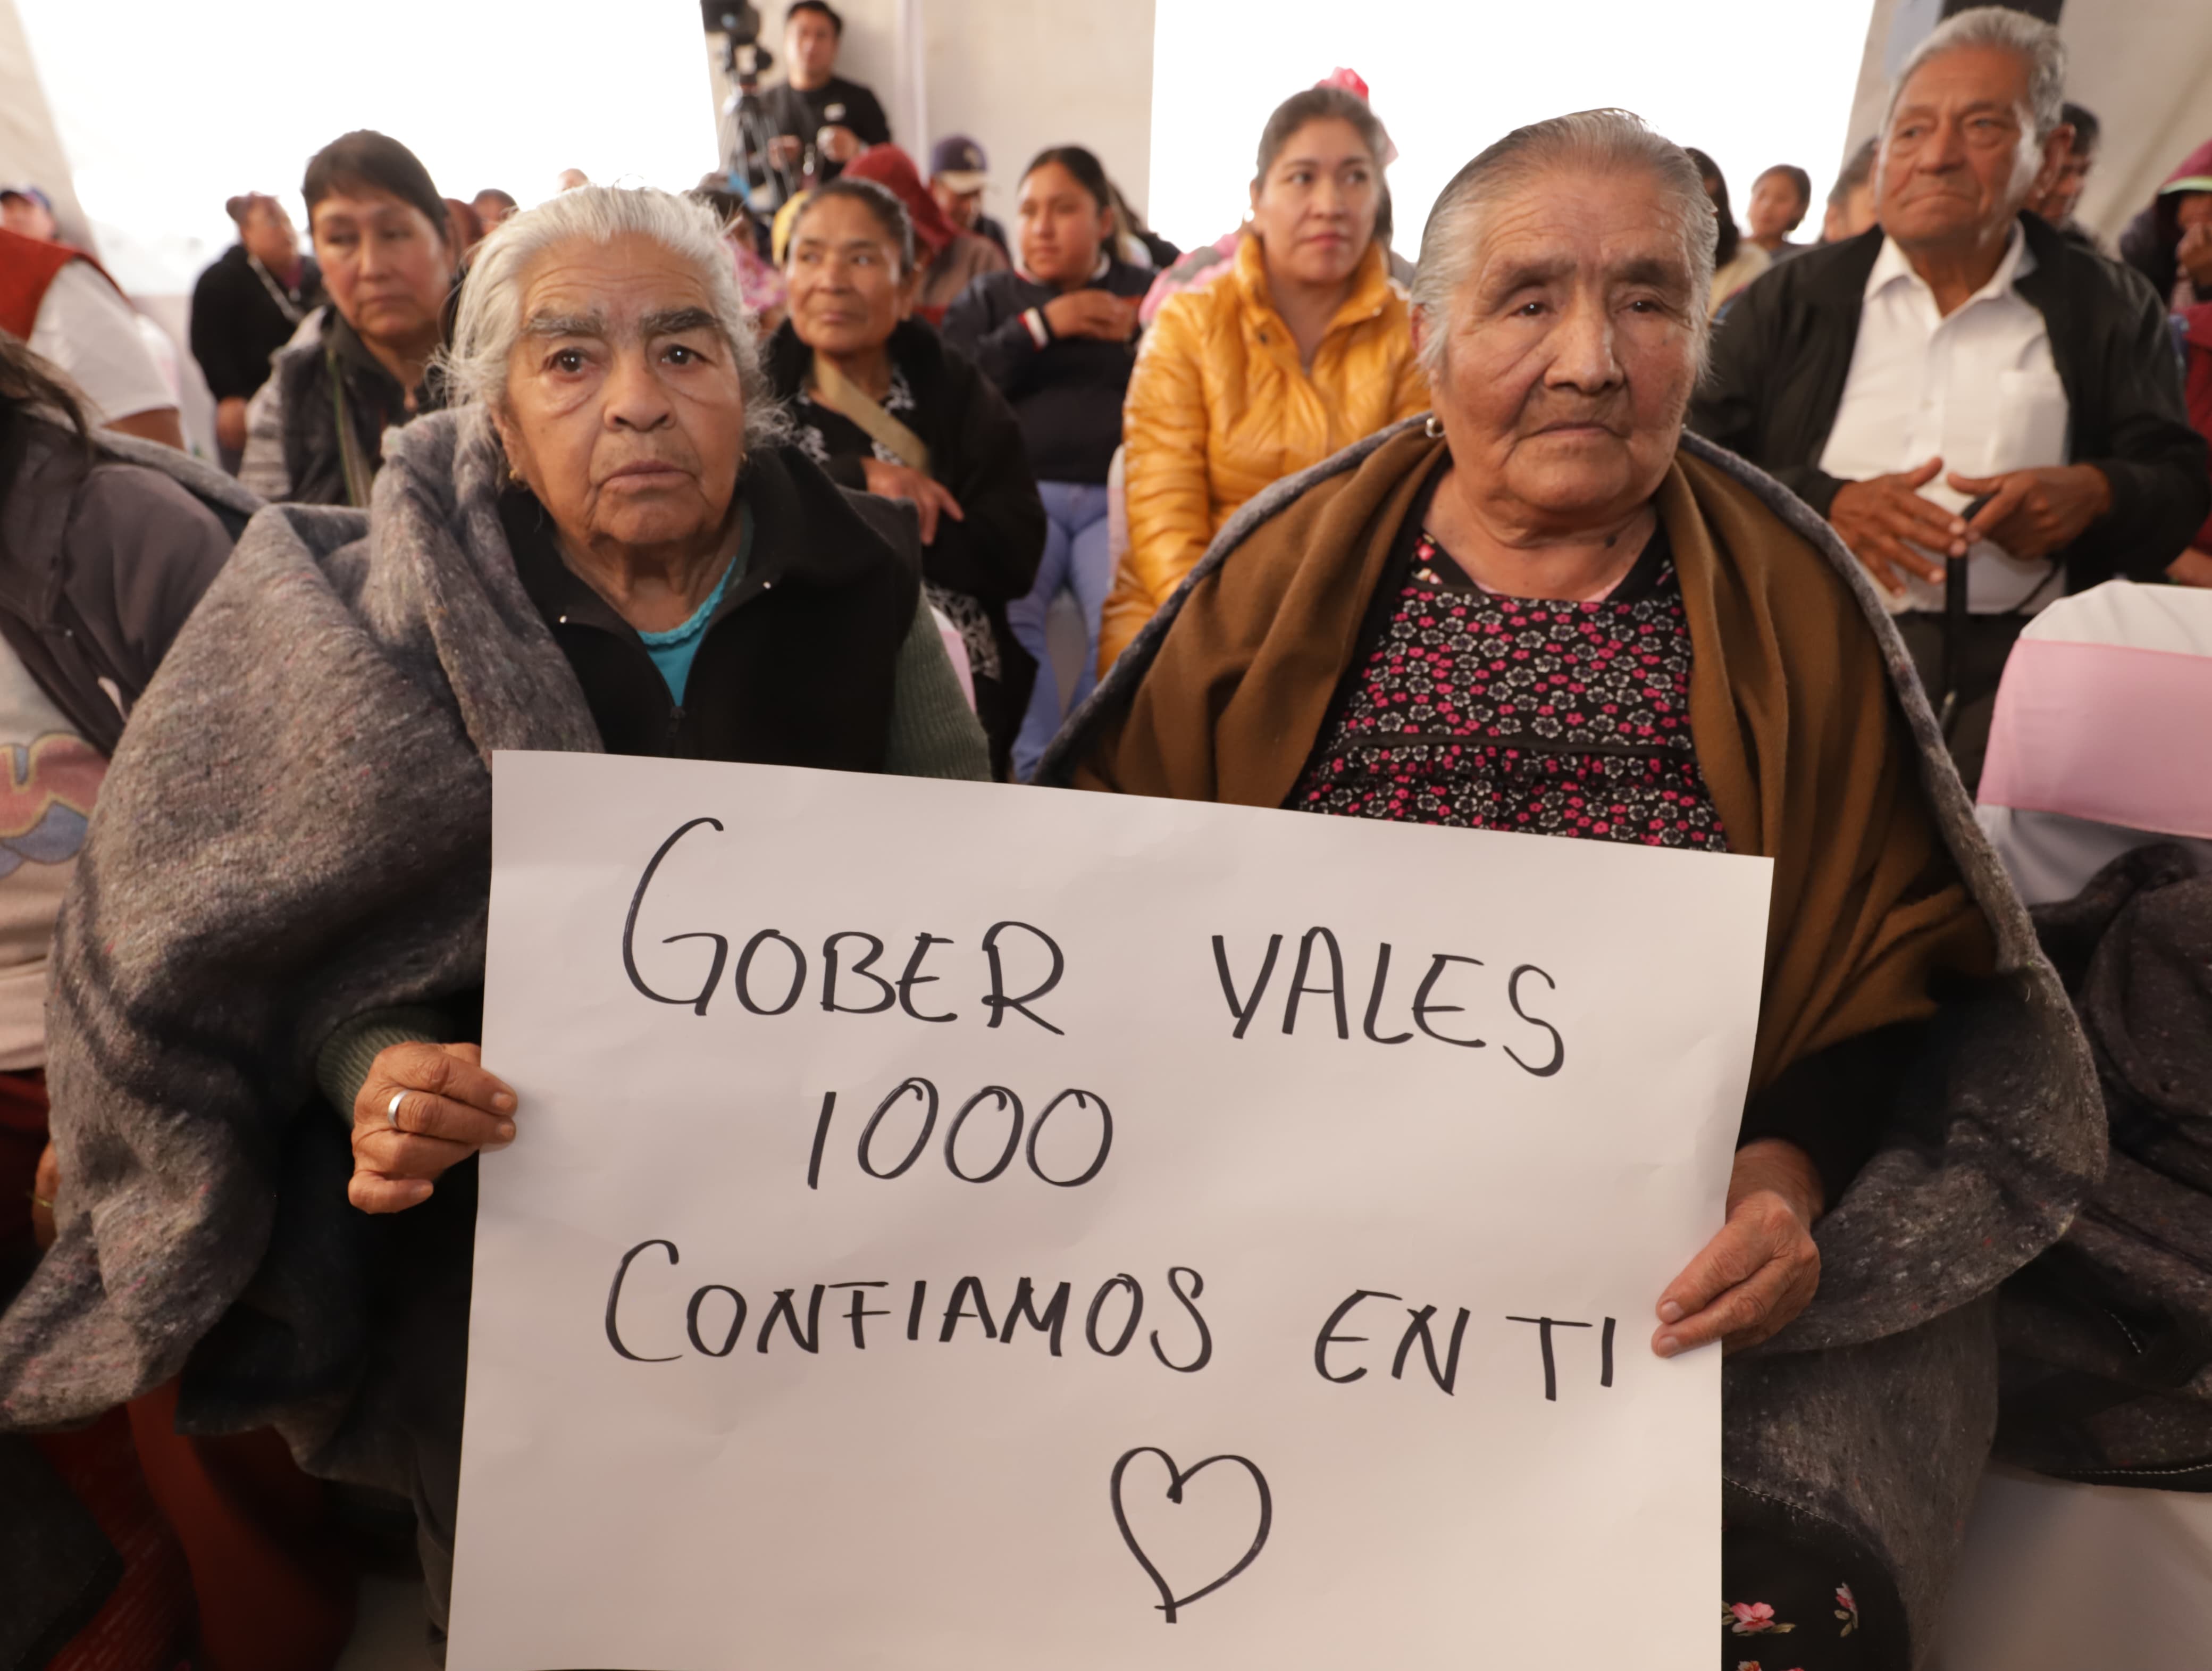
{"x": 1075, "y": 557}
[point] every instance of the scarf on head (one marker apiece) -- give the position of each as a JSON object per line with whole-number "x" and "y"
{"x": 893, "y": 169}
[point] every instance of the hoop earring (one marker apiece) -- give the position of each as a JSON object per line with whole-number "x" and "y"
{"x": 1434, "y": 428}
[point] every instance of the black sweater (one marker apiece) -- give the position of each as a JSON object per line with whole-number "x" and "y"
{"x": 237, "y": 325}
{"x": 1068, "y": 393}
{"x": 1781, "y": 357}
{"x": 989, "y": 555}
{"x": 799, "y": 660}
{"x": 837, "y": 103}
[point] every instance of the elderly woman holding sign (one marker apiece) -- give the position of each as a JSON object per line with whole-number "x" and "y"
{"x": 1547, "y": 610}
{"x": 268, "y": 975}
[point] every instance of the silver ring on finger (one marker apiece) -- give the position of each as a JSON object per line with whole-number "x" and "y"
{"x": 392, "y": 1111}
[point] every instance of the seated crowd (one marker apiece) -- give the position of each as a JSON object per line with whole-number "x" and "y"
{"x": 495, "y": 477}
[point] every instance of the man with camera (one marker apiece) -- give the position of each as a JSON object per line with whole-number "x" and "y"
{"x": 817, "y": 122}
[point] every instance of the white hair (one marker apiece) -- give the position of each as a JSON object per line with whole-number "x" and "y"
{"x": 2034, "y": 42}
{"x": 489, "y": 320}
{"x": 1598, "y": 141}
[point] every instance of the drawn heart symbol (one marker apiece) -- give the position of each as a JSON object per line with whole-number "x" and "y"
{"x": 1177, "y": 1479}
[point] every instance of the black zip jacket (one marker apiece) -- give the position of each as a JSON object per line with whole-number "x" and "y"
{"x": 238, "y": 326}
{"x": 796, "y": 666}
{"x": 1068, "y": 394}
{"x": 1781, "y": 357}
{"x": 104, "y": 553}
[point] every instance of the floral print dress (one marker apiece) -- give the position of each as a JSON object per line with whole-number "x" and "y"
{"x": 1553, "y": 717}
{"x": 1801, "y": 1616}
{"x": 1543, "y": 716}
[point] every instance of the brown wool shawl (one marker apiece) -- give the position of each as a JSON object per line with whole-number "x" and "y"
{"x": 1804, "y": 755}
{"x": 1869, "y": 1416}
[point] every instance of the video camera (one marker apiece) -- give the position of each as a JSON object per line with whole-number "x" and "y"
{"x": 739, "y": 25}
{"x": 744, "y": 60}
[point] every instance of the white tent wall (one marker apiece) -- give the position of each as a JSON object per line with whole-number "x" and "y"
{"x": 164, "y": 111}
{"x": 1020, "y": 74}
{"x": 2143, "y": 66}
{"x": 31, "y": 154}
{"x": 30, "y": 149}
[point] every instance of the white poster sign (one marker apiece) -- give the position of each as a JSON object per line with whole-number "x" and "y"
{"x": 963, "y": 1226}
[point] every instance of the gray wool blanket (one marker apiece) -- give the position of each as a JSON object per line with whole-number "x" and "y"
{"x": 2108, "y": 1336}
{"x": 57, "y": 1566}
{"x": 234, "y": 506}
{"x": 1866, "y": 1423}
{"x": 296, "y": 831}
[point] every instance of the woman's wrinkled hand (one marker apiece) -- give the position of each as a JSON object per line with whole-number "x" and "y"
{"x": 928, "y": 497}
{"x": 1752, "y": 1279}
{"x": 423, "y": 1108}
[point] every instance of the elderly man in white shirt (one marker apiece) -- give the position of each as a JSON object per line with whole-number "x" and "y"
{"x": 1960, "y": 384}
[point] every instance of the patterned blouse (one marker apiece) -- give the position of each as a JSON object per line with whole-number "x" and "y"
{"x": 1563, "y": 717}
{"x": 1543, "y": 716}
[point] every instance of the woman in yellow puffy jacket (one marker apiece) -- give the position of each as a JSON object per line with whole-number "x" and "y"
{"x": 1303, "y": 348}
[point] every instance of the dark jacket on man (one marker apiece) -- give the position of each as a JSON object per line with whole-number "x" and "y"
{"x": 242, "y": 313}
{"x": 989, "y": 553}
{"x": 1780, "y": 358}
{"x": 1068, "y": 394}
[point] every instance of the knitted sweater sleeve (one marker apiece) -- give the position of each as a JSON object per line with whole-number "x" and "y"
{"x": 935, "y": 733}
{"x": 342, "y": 1065}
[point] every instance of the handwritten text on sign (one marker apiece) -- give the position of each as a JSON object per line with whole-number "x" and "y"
{"x": 959, "y": 1226}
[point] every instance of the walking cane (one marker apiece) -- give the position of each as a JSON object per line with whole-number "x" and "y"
{"x": 1954, "y": 626}
{"x": 1954, "y": 639}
